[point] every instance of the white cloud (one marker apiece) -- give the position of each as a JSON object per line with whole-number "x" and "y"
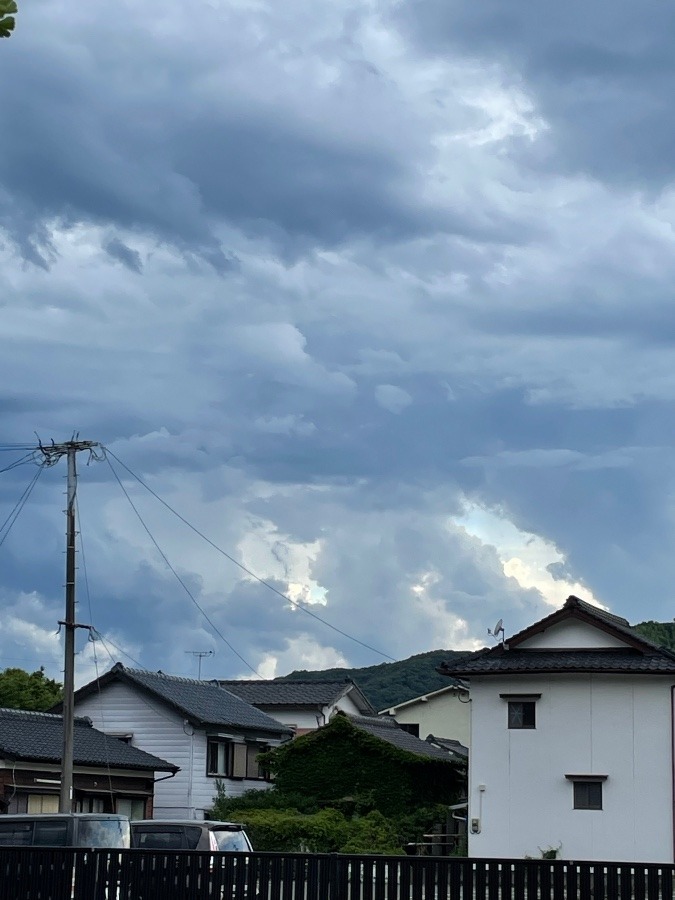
{"x": 392, "y": 398}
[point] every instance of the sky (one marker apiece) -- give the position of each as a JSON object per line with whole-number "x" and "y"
{"x": 376, "y": 294}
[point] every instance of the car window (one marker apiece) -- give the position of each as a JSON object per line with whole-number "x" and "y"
{"x": 192, "y": 834}
{"x": 231, "y": 841}
{"x": 52, "y": 833}
{"x": 103, "y": 833}
{"x": 156, "y": 839}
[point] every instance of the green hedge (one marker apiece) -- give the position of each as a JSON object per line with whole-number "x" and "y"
{"x": 327, "y": 831}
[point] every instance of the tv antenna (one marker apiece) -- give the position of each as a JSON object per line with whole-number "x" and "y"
{"x": 497, "y": 630}
{"x": 201, "y": 654}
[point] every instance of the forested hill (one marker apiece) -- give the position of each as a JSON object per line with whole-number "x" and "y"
{"x": 390, "y": 683}
{"x": 662, "y": 633}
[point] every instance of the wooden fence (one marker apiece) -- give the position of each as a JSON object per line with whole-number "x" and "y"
{"x": 59, "y": 874}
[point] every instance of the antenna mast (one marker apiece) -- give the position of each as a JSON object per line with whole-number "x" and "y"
{"x": 200, "y": 654}
{"x": 51, "y": 455}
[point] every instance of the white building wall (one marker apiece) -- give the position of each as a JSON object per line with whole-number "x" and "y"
{"x": 443, "y": 715}
{"x": 345, "y": 704}
{"x": 613, "y": 725}
{"x": 297, "y": 718}
{"x": 156, "y": 729}
{"x": 572, "y": 635}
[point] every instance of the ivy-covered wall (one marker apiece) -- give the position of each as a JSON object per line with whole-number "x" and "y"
{"x": 340, "y": 764}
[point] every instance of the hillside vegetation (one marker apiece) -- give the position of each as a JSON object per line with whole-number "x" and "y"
{"x": 390, "y": 683}
{"x": 662, "y": 633}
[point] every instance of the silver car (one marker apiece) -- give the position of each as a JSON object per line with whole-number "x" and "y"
{"x": 188, "y": 834}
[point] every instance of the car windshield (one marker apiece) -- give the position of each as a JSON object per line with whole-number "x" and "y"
{"x": 103, "y": 833}
{"x": 231, "y": 841}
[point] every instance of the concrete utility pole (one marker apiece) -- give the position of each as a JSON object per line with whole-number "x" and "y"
{"x": 52, "y": 454}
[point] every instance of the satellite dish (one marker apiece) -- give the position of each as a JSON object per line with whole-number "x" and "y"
{"x": 498, "y": 627}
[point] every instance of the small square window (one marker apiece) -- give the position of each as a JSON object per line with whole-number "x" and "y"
{"x": 588, "y": 794}
{"x": 522, "y": 714}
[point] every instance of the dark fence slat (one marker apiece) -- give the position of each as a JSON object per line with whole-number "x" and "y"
{"x": 61, "y": 873}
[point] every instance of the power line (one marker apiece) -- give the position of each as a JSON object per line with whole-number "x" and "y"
{"x": 18, "y": 506}
{"x": 99, "y": 637}
{"x": 24, "y": 460}
{"x": 177, "y": 576}
{"x": 242, "y": 566}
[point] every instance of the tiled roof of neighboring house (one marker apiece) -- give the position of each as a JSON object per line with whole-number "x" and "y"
{"x": 640, "y": 655}
{"x": 455, "y": 748}
{"x": 38, "y": 736}
{"x": 202, "y": 702}
{"x": 506, "y": 662}
{"x": 386, "y": 729}
{"x": 296, "y": 693}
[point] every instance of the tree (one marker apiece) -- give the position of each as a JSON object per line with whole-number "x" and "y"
{"x": 24, "y": 690}
{"x": 8, "y": 9}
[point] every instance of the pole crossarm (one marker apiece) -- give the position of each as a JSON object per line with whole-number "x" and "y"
{"x": 52, "y": 453}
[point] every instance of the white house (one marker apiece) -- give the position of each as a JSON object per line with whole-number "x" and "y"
{"x": 572, "y": 741}
{"x": 303, "y": 705}
{"x": 442, "y": 712}
{"x": 210, "y": 733}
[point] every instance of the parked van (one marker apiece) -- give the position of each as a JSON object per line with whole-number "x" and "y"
{"x": 189, "y": 834}
{"x": 64, "y": 830}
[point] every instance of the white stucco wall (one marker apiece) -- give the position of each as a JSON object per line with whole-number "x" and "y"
{"x": 613, "y": 725}
{"x": 572, "y": 634}
{"x": 158, "y": 730}
{"x": 443, "y": 715}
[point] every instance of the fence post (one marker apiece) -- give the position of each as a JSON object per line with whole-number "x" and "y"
{"x": 333, "y": 883}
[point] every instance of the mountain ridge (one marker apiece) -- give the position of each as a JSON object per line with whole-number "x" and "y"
{"x": 388, "y": 684}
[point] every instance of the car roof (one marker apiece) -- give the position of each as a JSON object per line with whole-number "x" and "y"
{"x": 209, "y": 823}
{"x": 23, "y": 816}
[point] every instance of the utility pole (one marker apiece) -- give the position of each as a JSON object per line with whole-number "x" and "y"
{"x": 200, "y": 654}
{"x": 52, "y": 454}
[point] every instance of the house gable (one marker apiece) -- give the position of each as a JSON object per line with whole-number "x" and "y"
{"x": 573, "y": 634}
{"x": 576, "y": 638}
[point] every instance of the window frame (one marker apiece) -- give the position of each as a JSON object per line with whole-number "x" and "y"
{"x": 584, "y": 803}
{"x": 226, "y": 744}
{"x": 528, "y": 703}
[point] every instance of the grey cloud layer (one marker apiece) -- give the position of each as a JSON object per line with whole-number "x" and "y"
{"x": 322, "y": 282}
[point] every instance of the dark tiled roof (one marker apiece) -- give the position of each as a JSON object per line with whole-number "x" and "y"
{"x": 291, "y": 693}
{"x": 454, "y": 747}
{"x": 203, "y": 702}
{"x": 39, "y": 736}
{"x": 640, "y": 655}
{"x": 506, "y": 662}
{"x": 386, "y": 729}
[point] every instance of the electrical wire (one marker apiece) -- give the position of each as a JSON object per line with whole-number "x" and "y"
{"x": 177, "y": 576}
{"x": 22, "y": 461}
{"x": 18, "y": 506}
{"x": 119, "y": 650}
{"x": 240, "y": 565}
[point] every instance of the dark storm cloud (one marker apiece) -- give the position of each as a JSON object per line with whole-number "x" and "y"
{"x": 118, "y": 250}
{"x": 601, "y": 74}
{"x": 372, "y": 295}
